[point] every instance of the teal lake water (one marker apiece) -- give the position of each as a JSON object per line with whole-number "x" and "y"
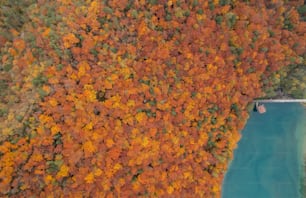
{"x": 268, "y": 162}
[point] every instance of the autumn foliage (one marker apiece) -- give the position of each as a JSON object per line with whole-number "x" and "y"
{"x": 136, "y": 98}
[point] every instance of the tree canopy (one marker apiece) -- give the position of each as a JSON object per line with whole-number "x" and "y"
{"x": 125, "y": 98}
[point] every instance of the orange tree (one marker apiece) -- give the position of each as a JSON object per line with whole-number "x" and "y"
{"x": 138, "y": 98}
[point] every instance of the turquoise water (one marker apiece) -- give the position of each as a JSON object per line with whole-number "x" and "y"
{"x": 268, "y": 160}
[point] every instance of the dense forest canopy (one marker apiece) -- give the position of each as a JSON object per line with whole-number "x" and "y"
{"x": 125, "y": 98}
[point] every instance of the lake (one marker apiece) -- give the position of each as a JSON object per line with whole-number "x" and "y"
{"x": 268, "y": 162}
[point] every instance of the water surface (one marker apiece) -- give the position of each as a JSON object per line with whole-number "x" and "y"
{"x": 268, "y": 160}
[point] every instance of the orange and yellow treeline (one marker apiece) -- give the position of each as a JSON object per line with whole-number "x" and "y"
{"x": 137, "y": 98}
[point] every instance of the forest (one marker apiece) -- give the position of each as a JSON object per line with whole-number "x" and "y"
{"x": 146, "y": 98}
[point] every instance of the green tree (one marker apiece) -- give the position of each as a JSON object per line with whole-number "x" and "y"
{"x": 13, "y": 15}
{"x": 294, "y": 83}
